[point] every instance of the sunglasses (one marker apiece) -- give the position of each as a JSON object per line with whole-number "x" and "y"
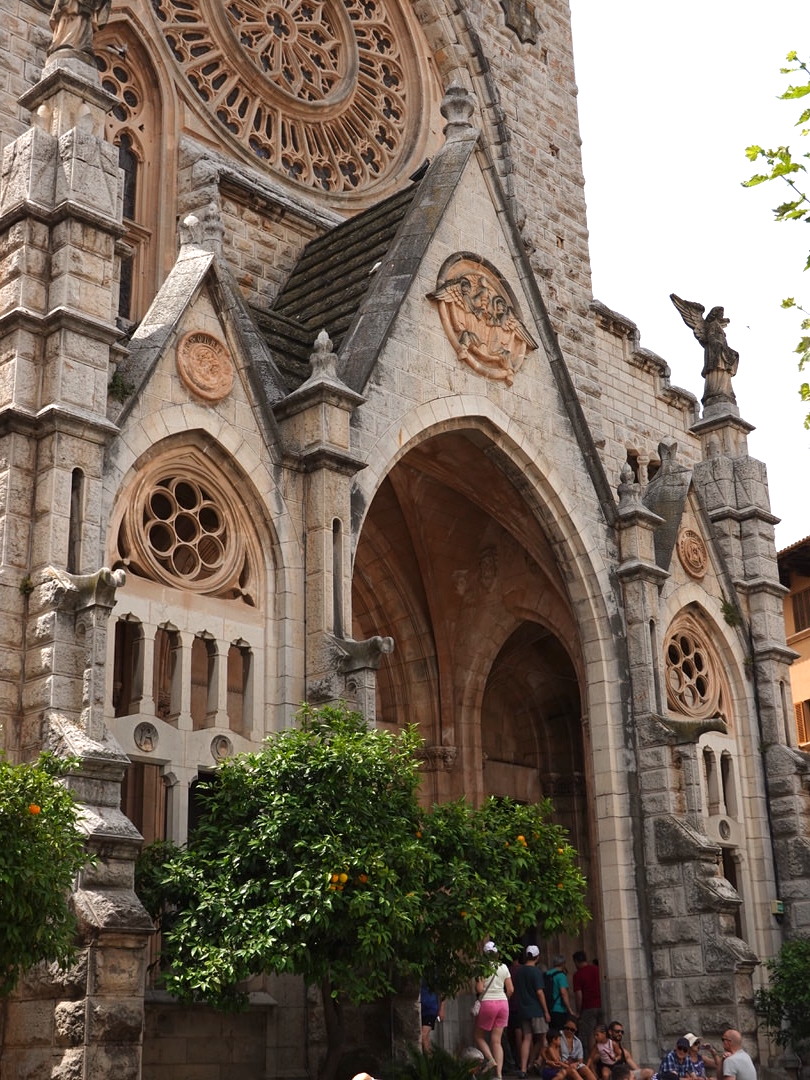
{"x": 573, "y": 1031}
{"x": 617, "y": 1031}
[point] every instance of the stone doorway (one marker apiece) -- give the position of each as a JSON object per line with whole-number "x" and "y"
{"x": 455, "y": 561}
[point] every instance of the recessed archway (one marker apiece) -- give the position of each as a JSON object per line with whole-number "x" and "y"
{"x": 454, "y": 563}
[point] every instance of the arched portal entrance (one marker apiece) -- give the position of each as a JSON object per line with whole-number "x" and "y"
{"x": 453, "y": 562}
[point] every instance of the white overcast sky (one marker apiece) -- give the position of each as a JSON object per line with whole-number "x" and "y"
{"x": 670, "y": 95}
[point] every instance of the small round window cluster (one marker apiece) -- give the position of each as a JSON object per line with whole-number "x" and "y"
{"x": 692, "y": 685}
{"x": 185, "y": 530}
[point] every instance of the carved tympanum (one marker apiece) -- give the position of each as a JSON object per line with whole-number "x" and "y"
{"x": 692, "y": 553}
{"x": 479, "y": 315}
{"x": 205, "y": 366}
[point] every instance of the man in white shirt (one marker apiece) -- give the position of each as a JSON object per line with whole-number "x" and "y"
{"x": 737, "y": 1062}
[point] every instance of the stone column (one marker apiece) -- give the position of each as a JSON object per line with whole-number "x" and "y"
{"x": 60, "y": 226}
{"x": 314, "y": 424}
{"x": 701, "y": 970}
{"x": 60, "y": 221}
{"x": 734, "y": 488}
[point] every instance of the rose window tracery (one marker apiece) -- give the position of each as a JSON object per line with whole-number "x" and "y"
{"x": 184, "y": 530}
{"x": 692, "y": 678}
{"x": 318, "y": 89}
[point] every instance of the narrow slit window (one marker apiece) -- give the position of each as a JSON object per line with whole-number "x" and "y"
{"x": 74, "y": 553}
{"x": 127, "y": 667}
{"x": 240, "y": 662}
{"x": 167, "y": 673}
{"x": 203, "y": 683}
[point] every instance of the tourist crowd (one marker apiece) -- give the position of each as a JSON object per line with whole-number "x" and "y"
{"x": 534, "y": 1022}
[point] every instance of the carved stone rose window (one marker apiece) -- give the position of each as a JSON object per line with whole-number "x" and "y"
{"x": 694, "y": 687}
{"x": 184, "y": 529}
{"x": 324, "y": 91}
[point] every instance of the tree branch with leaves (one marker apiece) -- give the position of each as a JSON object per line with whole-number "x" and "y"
{"x": 784, "y": 166}
{"x": 41, "y": 853}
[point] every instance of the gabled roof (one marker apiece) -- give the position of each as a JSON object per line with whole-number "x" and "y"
{"x": 196, "y": 267}
{"x": 397, "y": 234}
{"x": 329, "y": 283}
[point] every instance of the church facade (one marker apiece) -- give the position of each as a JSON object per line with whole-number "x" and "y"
{"x": 305, "y": 396}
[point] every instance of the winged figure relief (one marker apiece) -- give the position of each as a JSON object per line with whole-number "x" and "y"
{"x": 482, "y": 324}
{"x": 720, "y": 361}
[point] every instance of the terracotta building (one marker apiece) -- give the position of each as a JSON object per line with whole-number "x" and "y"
{"x": 304, "y": 395}
{"x": 794, "y": 573}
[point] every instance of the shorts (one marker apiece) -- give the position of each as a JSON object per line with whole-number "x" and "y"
{"x": 548, "y": 1072}
{"x": 429, "y": 1020}
{"x": 494, "y": 1014}
{"x": 534, "y": 1025}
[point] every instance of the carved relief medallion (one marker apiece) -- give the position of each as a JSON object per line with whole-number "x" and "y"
{"x": 692, "y": 553}
{"x": 145, "y": 737}
{"x": 480, "y": 317}
{"x": 221, "y": 747}
{"x": 327, "y": 92}
{"x": 205, "y": 366}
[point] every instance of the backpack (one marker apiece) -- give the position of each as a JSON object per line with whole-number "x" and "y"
{"x": 549, "y": 990}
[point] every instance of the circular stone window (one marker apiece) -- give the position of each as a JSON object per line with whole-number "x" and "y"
{"x": 693, "y": 687}
{"x": 182, "y": 529}
{"x": 326, "y": 92}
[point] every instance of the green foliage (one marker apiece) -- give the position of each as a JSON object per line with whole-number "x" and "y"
{"x": 120, "y": 388}
{"x": 437, "y": 1065}
{"x": 41, "y": 852}
{"x": 314, "y": 857}
{"x": 782, "y": 165}
{"x": 784, "y": 1004}
{"x": 731, "y": 613}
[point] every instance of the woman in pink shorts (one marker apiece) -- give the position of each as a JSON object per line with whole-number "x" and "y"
{"x": 493, "y": 992}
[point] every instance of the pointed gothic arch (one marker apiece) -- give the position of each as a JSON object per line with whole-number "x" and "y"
{"x": 455, "y": 561}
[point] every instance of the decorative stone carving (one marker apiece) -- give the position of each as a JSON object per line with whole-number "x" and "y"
{"x": 325, "y": 92}
{"x": 350, "y": 655}
{"x": 480, "y": 317}
{"x": 145, "y": 736}
{"x": 438, "y": 758}
{"x": 73, "y": 23}
{"x": 488, "y": 568}
{"x": 221, "y": 747}
{"x": 521, "y": 18}
{"x": 628, "y": 490}
{"x": 719, "y": 359}
{"x": 692, "y": 553}
{"x": 457, "y": 108}
{"x": 322, "y": 690}
{"x": 205, "y": 366}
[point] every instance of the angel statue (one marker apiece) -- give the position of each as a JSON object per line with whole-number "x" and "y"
{"x": 73, "y": 23}
{"x": 719, "y": 359}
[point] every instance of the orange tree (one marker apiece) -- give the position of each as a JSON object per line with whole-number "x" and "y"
{"x": 41, "y": 852}
{"x": 314, "y": 857}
